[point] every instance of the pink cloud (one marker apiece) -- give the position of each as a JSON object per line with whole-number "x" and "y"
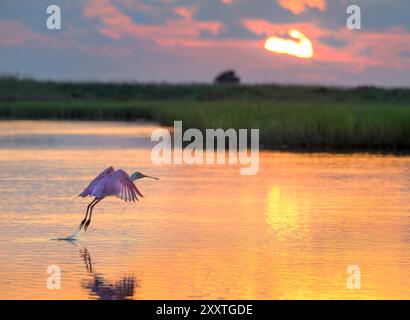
{"x": 184, "y": 12}
{"x": 116, "y": 24}
{"x": 13, "y": 32}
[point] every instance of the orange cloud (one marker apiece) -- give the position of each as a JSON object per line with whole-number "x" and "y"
{"x": 298, "y": 6}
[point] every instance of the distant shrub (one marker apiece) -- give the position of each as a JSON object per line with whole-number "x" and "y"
{"x": 228, "y": 76}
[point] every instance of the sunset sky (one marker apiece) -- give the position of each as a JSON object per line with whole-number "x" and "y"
{"x": 191, "y": 41}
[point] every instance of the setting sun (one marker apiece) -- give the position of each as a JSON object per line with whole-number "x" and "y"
{"x": 300, "y": 47}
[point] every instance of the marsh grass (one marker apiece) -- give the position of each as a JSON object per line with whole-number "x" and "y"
{"x": 311, "y": 125}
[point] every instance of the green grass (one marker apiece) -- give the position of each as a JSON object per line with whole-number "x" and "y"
{"x": 290, "y": 124}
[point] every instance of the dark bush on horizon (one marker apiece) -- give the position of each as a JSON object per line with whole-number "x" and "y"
{"x": 227, "y": 77}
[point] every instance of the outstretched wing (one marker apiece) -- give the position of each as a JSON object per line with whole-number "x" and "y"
{"x": 93, "y": 184}
{"x": 117, "y": 184}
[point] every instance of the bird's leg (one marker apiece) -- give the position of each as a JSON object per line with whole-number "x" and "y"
{"x": 86, "y": 214}
{"x": 91, "y": 212}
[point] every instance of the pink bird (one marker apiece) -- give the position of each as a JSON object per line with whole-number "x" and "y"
{"x": 111, "y": 182}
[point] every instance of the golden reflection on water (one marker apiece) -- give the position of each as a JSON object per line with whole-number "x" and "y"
{"x": 283, "y": 215}
{"x": 203, "y": 232}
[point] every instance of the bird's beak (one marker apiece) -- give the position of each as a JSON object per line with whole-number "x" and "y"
{"x": 145, "y": 176}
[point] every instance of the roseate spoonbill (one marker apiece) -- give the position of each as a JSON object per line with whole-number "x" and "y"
{"x": 111, "y": 182}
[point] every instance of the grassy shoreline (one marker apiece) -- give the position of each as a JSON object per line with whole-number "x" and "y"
{"x": 290, "y": 118}
{"x": 296, "y": 125}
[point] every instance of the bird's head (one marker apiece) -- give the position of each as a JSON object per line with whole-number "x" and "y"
{"x": 138, "y": 175}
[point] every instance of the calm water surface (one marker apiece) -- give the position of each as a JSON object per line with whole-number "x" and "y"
{"x": 201, "y": 232}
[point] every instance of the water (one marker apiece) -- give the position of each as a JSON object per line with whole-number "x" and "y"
{"x": 202, "y": 232}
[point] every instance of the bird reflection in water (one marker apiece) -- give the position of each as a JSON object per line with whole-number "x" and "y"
{"x": 104, "y": 290}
